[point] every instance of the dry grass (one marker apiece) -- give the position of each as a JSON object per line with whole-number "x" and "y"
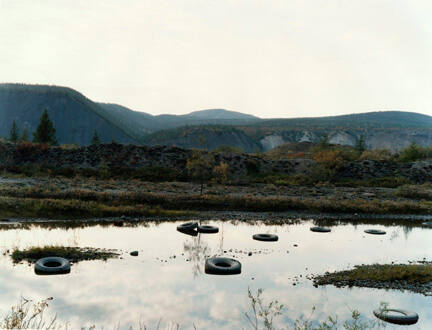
{"x": 73, "y": 254}
{"x": 414, "y": 273}
{"x": 74, "y": 208}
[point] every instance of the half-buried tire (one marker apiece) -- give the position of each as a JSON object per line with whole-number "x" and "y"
{"x": 404, "y": 317}
{"x": 375, "y": 232}
{"x": 222, "y": 266}
{"x": 265, "y": 237}
{"x": 208, "y": 229}
{"x": 52, "y": 266}
{"x": 320, "y": 229}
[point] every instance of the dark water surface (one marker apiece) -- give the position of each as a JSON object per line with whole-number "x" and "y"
{"x": 167, "y": 282}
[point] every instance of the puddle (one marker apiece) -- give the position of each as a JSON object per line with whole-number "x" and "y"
{"x": 166, "y": 282}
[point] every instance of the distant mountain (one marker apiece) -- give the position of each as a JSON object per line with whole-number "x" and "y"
{"x": 392, "y": 130}
{"x": 74, "y": 116}
{"x": 377, "y": 119}
{"x": 139, "y": 123}
{"x": 220, "y": 114}
{"x": 209, "y": 137}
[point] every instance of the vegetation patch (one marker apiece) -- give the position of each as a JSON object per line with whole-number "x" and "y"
{"x": 412, "y": 277}
{"x": 73, "y": 254}
{"x": 74, "y": 208}
{"x": 415, "y": 191}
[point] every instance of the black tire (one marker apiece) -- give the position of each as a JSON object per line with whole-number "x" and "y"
{"x": 265, "y": 237}
{"x": 375, "y": 232}
{"x": 208, "y": 229}
{"x": 222, "y": 266}
{"x": 191, "y": 232}
{"x": 406, "y": 318}
{"x": 187, "y": 226}
{"x": 320, "y": 229}
{"x": 52, "y": 265}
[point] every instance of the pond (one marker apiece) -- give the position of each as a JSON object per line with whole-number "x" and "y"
{"x": 166, "y": 282}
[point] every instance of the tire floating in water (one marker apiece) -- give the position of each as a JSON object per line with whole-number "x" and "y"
{"x": 187, "y": 226}
{"x": 222, "y": 266}
{"x": 206, "y": 229}
{"x": 265, "y": 237}
{"x": 320, "y": 229}
{"x": 404, "y": 318}
{"x": 375, "y": 232}
{"x": 52, "y": 266}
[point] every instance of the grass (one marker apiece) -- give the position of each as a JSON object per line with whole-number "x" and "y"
{"x": 73, "y": 254}
{"x": 28, "y": 314}
{"x": 423, "y": 191}
{"x": 414, "y": 273}
{"x": 86, "y": 203}
{"x": 75, "y": 208}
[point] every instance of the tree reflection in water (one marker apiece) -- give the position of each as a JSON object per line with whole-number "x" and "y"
{"x": 196, "y": 250}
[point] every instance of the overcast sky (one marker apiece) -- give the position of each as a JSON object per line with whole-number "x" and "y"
{"x": 270, "y": 58}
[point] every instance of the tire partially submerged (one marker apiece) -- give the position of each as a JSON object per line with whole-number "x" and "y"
{"x": 320, "y": 229}
{"x": 375, "y": 232}
{"x": 52, "y": 266}
{"x": 187, "y": 226}
{"x": 265, "y": 237}
{"x": 222, "y": 266}
{"x": 208, "y": 229}
{"x": 404, "y": 318}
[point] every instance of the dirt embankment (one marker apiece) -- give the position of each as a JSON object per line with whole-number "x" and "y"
{"x": 117, "y": 156}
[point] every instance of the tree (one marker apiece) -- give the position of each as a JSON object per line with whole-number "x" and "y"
{"x": 199, "y": 168}
{"x": 24, "y": 136}
{"x": 324, "y": 143}
{"x": 13, "y": 136}
{"x": 360, "y": 144}
{"x": 95, "y": 140}
{"x": 45, "y": 132}
{"x": 221, "y": 172}
{"x": 412, "y": 153}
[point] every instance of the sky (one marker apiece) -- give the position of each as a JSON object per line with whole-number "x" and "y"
{"x": 269, "y": 58}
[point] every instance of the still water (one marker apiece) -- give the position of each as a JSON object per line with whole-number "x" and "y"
{"x": 166, "y": 283}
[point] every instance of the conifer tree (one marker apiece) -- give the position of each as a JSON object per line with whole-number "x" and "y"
{"x": 45, "y": 132}
{"x": 95, "y": 140}
{"x": 13, "y": 137}
{"x": 24, "y": 136}
{"x": 360, "y": 144}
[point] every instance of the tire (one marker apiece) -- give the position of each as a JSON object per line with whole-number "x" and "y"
{"x": 191, "y": 232}
{"x": 375, "y": 232}
{"x": 406, "y": 318}
{"x": 208, "y": 229}
{"x": 265, "y": 237}
{"x": 52, "y": 265}
{"x": 187, "y": 226}
{"x": 222, "y": 266}
{"x": 320, "y": 229}
{"x": 427, "y": 224}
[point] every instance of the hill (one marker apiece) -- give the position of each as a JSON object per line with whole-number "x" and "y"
{"x": 376, "y": 119}
{"x": 74, "y": 116}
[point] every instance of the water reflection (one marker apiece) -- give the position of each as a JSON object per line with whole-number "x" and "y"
{"x": 155, "y": 285}
{"x": 196, "y": 250}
